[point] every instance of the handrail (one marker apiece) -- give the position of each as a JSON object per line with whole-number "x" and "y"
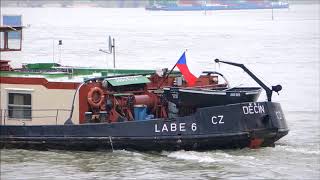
{"x": 51, "y": 113}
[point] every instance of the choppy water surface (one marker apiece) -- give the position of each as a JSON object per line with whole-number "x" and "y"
{"x": 285, "y": 51}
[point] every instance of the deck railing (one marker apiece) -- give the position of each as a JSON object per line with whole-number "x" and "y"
{"x": 49, "y": 116}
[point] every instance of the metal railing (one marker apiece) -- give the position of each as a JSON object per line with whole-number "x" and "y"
{"x": 48, "y": 115}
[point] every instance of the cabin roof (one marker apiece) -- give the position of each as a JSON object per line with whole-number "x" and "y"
{"x": 69, "y": 74}
{"x": 122, "y": 81}
{"x": 10, "y": 28}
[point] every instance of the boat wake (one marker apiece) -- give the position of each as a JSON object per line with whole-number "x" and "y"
{"x": 127, "y": 153}
{"x": 209, "y": 157}
{"x": 302, "y": 150}
{"x": 195, "y": 156}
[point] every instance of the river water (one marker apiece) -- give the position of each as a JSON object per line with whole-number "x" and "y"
{"x": 281, "y": 51}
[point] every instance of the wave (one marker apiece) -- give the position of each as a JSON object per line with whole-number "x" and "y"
{"x": 303, "y": 111}
{"x": 302, "y": 150}
{"x": 128, "y": 153}
{"x": 209, "y": 157}
{"x": 192, "y": 156}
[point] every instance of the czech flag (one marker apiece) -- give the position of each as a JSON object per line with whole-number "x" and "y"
{"x": 182, "y": 65}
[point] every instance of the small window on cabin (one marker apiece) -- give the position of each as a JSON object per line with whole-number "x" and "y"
{"x": 19, "y": 106}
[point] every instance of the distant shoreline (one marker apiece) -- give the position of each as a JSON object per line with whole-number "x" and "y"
{"x": 100, "y": 3}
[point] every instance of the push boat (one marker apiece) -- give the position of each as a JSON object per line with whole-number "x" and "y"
{"x": 148, "y": 111}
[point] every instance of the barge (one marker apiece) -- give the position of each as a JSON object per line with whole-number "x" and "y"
{"x": 215, "y": 5}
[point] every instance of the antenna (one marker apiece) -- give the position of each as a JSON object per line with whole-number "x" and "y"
{"x": 272, "y": 11}
{"x": 60, "y": 46}
{"x": 205, "y": 7}
{"x": 110, "y": 44}
{"x": 111, "y": 49}
{"x": 53, "y": 50}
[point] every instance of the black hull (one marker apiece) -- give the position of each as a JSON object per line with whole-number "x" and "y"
{"x": 231, "y": 126}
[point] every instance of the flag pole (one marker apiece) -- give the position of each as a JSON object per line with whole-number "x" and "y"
{"x": 167, "y": 75}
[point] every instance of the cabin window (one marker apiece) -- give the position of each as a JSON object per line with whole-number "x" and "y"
{"x": 19, "y": 105}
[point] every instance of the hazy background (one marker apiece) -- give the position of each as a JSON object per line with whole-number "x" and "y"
{"x": 103, "y": 3}
{"x": 285, "y": 50}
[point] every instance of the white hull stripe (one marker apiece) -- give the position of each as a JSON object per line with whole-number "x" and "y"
{"x": 215, "y": 92}
{"x": 202, "y": 92}
{"x": 253, "y": 92}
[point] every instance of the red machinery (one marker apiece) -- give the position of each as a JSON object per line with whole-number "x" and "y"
{"x": 118, "y": 99}
{"x": 130, "y": 98}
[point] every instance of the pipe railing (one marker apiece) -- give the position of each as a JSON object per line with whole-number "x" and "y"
{"x": 48, "y": 115}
